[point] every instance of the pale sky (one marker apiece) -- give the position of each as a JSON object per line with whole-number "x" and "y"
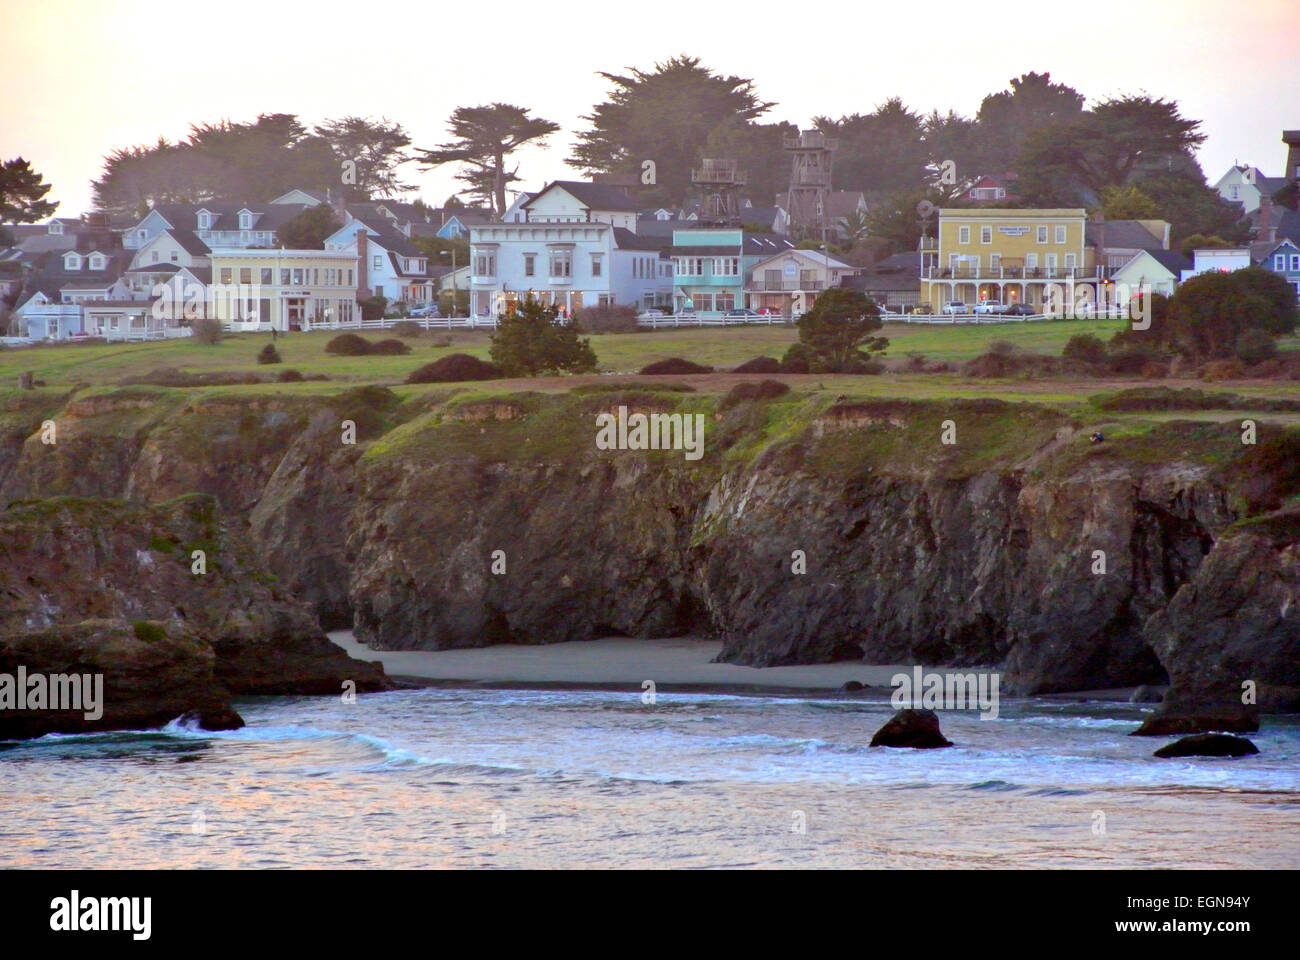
{"x": 82, "y": 77}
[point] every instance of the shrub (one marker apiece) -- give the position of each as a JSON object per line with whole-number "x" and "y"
{"x": 759, "y": 365}
{"x": 1223, "y": 370}
{"x": 915, "y": 363}
{"x": 1256, "y": 346}
{"x": 289, "y": 376}
{"x": 206, "y": 330}
{"x": 534, "y": 341}
{"x": 348, "y": 345}
{"x": 268, "y": 354}
{"x": 1001, "y": 348}
{"x": 673, "y": 366}
{"x": 1085, "y": 347}
{"x": 607, "y": 318}
{"x": 796, "y": 359}
{"x": 373, "y": 308}
{"x": 1154, "y": 370}
{"x": 148, "y": 632}
{"x": 762, "y": 390}
{"x": 454, "y": 368}
{"x": 863, "y": 367}
{"x": 1130, "y": 358}
{"x": 390, "y": 348}
{"x": 407, "y": 328}
{"x": 443, "y": 341}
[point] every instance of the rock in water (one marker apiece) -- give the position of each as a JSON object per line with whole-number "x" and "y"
{"x": 911, "y": 728}
{"x": 1208, "y": 745}
{"x": 1146, "y": 694}
{"x": 851, "y": 686}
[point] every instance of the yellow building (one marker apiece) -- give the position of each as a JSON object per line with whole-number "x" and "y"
{"x": 1009, "y": 256}
{"x": 283, "y": 289}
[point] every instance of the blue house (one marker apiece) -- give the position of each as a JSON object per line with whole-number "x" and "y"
{"x": 1282, "y": 258}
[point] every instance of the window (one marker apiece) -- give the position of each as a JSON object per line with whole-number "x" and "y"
{"x": 1031, "y": 261}
{"x": 995, "y": 261}
{"x": 726, "y": 267}
{"x": 73, "y": 262}
{"x": 485, "y": 265}
{"x": 1295, "y": 261}
{"x": 205, "y": 221}
{"x": 561, "y": 263}
{"x": 1060, "y": 233}
{"x": 963, "y": 234}
{"x": 986, "y": 234}
{"x": 377, "y": 261}
{"x": 1069, "y": 261}
{"x": 1051, "y": 263}
{"x": 227, "y": 274}
{"x": 155, "y": 256}
{"x": 1042, "y": 234}
{"x": 296, "y": 273}
{"x": 1279, "y": 262}
{"x": 284, "y": 276}
{"x": 724, "y": 301}
{"x": 266, "y": 276}
{"x": 56, "y": 227}
{"x": 175, "y": 256}
{"x": 245, "y": 274}
{"x": 264, "y": 310}
{"x": 703, "y": 301}
{"x": 245, "y": 221}
{"x": 96, "y": 263}
{"x": 595, "y": 265}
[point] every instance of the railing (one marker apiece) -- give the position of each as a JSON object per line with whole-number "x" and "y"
{"x": 428, "y": 323}
{"x": 1098, "y": 272}
{"x": 784, "y": 286}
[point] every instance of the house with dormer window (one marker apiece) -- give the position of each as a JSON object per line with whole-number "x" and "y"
{"x": 1283, "y": 259}
{"x": 217, "y": 224}
{"x": 395, "y": 268}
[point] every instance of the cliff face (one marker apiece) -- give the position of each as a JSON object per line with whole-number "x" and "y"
{"x": 97, "y": 586}
{"x": 808, "y": 532}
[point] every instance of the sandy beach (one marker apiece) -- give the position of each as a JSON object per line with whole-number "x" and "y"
{"x": 681, "y": 662}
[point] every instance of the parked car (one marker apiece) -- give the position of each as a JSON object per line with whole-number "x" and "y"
{"x": 1020, "y": 310}
{"x": 650, "y": 314}
{"x": 426, "y": 310}
{"x": 989, "y": 308}
{"x": 955, "y": 307}
{"x": 739, "y": 313}
{"x": 768, "y": 312}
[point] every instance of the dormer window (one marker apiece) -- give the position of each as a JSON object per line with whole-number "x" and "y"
{"x": 96, "y": 262}
{"x": 245, "y": 220}
{"x": 72, "y": 262}
{"x": 56, "y": 227}
{"x": 205, "y": 220}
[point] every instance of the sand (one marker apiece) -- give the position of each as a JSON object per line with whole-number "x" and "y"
{"x": 618, "y": 661}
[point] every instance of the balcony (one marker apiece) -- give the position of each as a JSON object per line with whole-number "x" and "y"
{"x": 720, "y": 171}
{"x": 963, "y": 272}
{"x": 784, "y": 286}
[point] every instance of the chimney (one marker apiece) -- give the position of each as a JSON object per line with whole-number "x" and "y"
{"x": 363, "y": 261}
{"x": 1264, "y": 229}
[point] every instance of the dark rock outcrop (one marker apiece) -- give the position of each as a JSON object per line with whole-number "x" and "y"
{"x": 1208, "y": 745}
{"x": 95, "y": 586}
{"x": 1230, "y": 637}
{"x": 918, "y": 729}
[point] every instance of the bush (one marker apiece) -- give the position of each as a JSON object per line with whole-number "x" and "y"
{"x": 762, "y": 390}
{"x": 1223, "y": 370}
{"x": 407, "y": 328}
{"x": 348, "y": 345}
{"x": 759, "y": 365}
{"x": 1255, "y": 346}
{"x": 1085, "y": 347}
{"x": 454, "y": 368}
{"x": 1154, "y": 370}
{"x": 289, "y": 376}
{"x": 268, "y": 354}
{"x": 206, "y": 330}
{"x": 863, "y": 367}
{"x": 915, "y": 363}
{"x": 607, "y": 318}
{"x": 390, "y": 348}
{"x": 1130, "y": 359}
{"x": 673, "y": 366}
{"x": 1001, "y": 348}
{"x": 796, "y": 359}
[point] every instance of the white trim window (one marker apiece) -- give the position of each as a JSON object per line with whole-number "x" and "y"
{"x": 726, "y": 267}
{"x": 205, "y": 220}
{"x": 1060, "y": 233}
{"x": 597, "y": 264}
{"x": 1031, "y": 261}
{"x": 1295, "y": 261}
{"x": 485, "y": 265}
{"x": 1042, "y": 234}
{"x": 530, "y": 264}
{"x": 96, "y": 262}
{"x": 1070, "y": 261}
{"x": 986, "y": 234}
{"x": 963, "y": 234}
{"x": 561, "y": 264}
{"x": 1279, "y": 262}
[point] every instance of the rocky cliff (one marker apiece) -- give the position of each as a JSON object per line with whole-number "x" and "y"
{"x": 960, "y": 532}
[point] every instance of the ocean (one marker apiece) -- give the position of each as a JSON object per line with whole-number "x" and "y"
{"x": 545, "y": 778}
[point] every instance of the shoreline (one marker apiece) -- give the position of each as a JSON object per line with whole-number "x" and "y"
{"x": 677, "y": 664}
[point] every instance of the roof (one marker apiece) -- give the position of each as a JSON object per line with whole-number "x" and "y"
{"x": 189, "y": 242}
{"x": 593, "y": 196}
{"x": 625, "y": 239}
{"x": 384, "y": 234}
{"x": 816, "y": 256}
{"x": 770, "y": 243}
{"x": 1123, "y": 235}
{"x": 269, "y": 216}
{"x": 1171, "y": 260}
{"x": 1261, "y": 250}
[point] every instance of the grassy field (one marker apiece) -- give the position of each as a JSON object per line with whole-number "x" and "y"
{"x": 102, "y": 366}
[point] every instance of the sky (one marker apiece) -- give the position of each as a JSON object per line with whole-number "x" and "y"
{"x": 83, "y": 77}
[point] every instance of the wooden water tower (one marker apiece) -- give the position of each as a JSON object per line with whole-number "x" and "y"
{"x": 812, "y": 153}
{"x": 1292, "y": 140}
{"x": 720, "y": 182}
